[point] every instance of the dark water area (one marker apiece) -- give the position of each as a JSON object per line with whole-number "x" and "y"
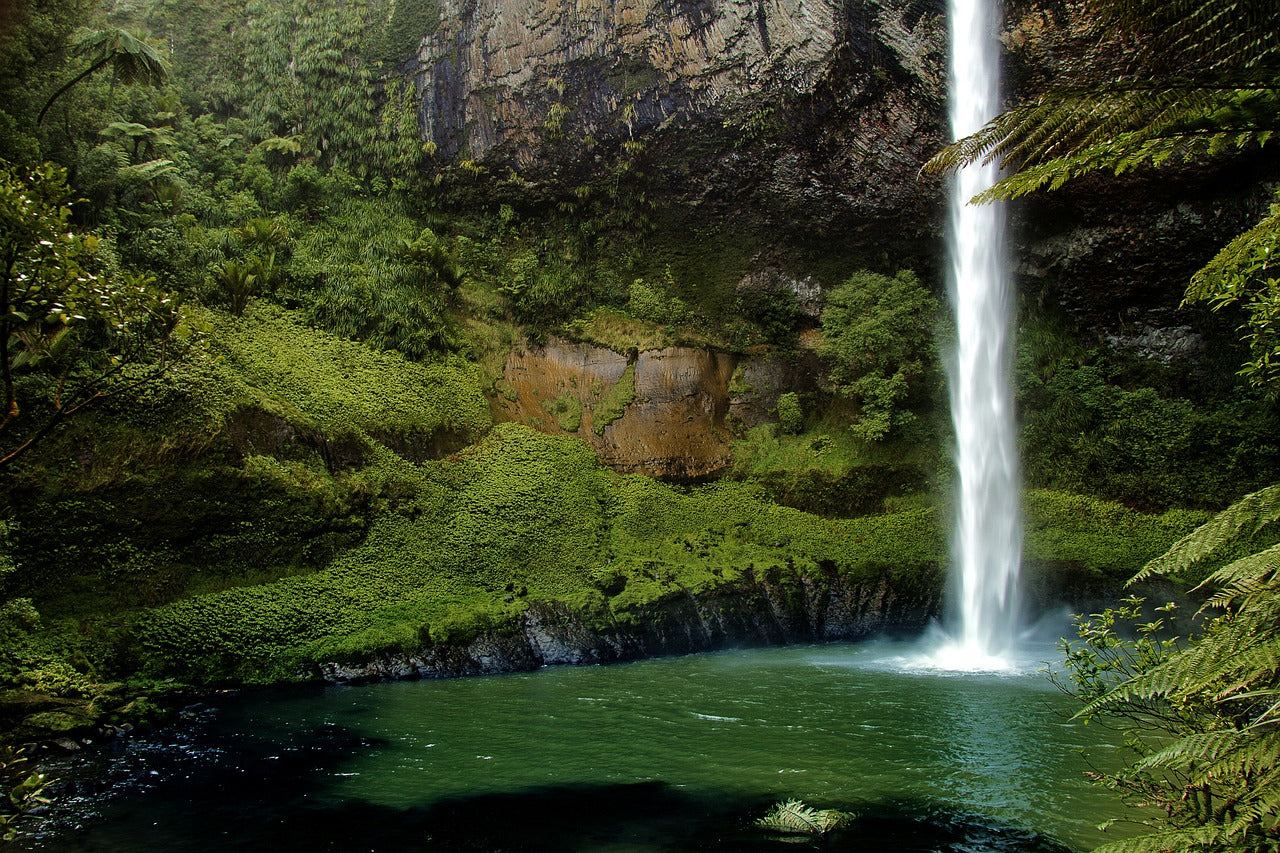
{"x": 676, "y": 754}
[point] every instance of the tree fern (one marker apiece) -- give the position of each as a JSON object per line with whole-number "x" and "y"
{"x": 1205, "y": 718}
{"x": 1246, "y": 517}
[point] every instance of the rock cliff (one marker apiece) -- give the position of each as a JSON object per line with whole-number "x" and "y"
{"x": 662, "y": 413}
{"x": 812, "y": 116}
{"x": 798, "y": 127}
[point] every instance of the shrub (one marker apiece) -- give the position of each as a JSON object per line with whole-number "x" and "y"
{"x": 876, "y": 341}
{"x": 790, "y": 415}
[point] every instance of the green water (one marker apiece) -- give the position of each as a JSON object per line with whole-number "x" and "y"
{"x": 676, "y": 753}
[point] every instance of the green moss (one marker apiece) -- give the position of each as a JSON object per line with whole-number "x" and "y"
{"x": 829, "y": 471}
{"x": 1101, "y": 537}
{"x": 614, "y": 404}
{"x": 567, "y": 410}
{"x": 521, "y": 517}
{"x": 270, "y": 361}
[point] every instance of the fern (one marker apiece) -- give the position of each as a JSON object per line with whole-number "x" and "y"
{"x": 794, "y": 817}
{"x": 1247, "y": 517}
{"x": 1209, "y": 709}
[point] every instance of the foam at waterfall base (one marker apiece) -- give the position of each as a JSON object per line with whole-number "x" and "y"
{"x": 938, "y": 653}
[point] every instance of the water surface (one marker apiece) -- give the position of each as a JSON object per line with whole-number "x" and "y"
{"x": 669, "y": 754}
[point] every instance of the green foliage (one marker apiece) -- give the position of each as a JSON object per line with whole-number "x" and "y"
{"x": 613, "y": 405}
{"x": 408, "y": 22}
{"x": 1089, "y": 428}
{"x": 830, "y": 472}
{"x": 370, "y": 272}
{"x": 545, "y": 286}
{"x": 1100, "y": 538}
{"x": 522, "y": 517}
{"x": 776, "y": 312}
{"x": 1200, "y": 715}
{"x": 62, "y": 315}
{"x": 794, "y": 817}
{"x": 132, "y": 61}
{"x": 1246, "y": 275}
{"x": 567, "y": 410}
{"x": 790, "y": 415}
{"x": 654, "y": 302}
{"x": 271, "y": 360}
{"x": 21, "y": 791}
{"x": 876, "y": 340}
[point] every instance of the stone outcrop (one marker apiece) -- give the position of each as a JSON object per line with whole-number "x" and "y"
{"x": 674, "y": 422}
{"x": 753, "y": 612}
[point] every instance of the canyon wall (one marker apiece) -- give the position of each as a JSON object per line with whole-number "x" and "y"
{"x": 800, "y": 126}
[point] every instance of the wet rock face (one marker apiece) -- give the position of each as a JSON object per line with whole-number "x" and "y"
{"x": 492, "y": 73}
{"x": 660, "y": 412}
{"x": 754, "y": 612}
{"x": 811, "y": 116}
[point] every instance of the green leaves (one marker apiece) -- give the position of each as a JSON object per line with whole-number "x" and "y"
{"x": 1204, "y": 715}
{"x": 794, "y": 817}
{"x": 876, "y": 339}
{"x": 21, "y": 791}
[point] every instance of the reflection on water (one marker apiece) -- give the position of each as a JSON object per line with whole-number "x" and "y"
{"x": 671, "y": 754}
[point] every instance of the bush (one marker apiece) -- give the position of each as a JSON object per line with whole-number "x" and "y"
{"x": 790, "y": 415}
{"x": 877, "y": 343}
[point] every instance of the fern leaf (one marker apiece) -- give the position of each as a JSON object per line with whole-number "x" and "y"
{"x": 1252, "y": 513}
{"x": 794, "y": 817}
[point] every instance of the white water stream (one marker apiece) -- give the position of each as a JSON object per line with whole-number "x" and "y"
{"x": 987, "y": 546}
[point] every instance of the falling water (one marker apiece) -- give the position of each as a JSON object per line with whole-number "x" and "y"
{"x": 988, "y": 539}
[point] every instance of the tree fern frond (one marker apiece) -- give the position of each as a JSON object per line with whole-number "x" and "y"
{"x": 1200, "y": 747}
{"x": 1245, "y": 577}
{"x": 793, "y": 816}
{"x": 1251, "y": 513}
{"x": 1210, "y": 282}
{"x": 1182, "y": 839}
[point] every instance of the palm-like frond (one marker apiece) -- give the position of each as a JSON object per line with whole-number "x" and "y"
{"x": 1245, "y": 517}
{"x": 132, "y": 59}
{"x": 793, "y": 816}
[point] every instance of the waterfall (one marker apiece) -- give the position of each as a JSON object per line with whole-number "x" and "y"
{"x": 987, "y": 545}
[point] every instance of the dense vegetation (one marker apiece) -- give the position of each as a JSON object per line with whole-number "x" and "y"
{"x": 254, "y": 328}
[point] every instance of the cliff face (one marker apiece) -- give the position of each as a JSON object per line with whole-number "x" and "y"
{"x": 663, "y": 413}
{"x": 511, "y": 74}
{"x": 809, "y": 116}
{"x": 799, "y": 126}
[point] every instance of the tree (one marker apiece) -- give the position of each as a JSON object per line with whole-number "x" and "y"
{"x": 93, "y": 334}
{"x": 877, "y": 341}
{"x": 131, "y": 59}
{"x": 1155, "y": 83}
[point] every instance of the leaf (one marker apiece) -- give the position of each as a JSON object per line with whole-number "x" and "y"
{"x": 793, "y": 816}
